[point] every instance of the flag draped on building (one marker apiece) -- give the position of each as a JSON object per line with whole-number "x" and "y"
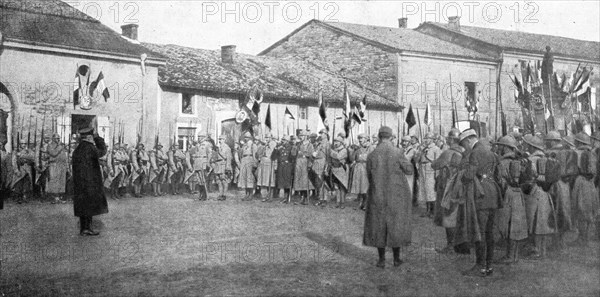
{"x": 268, "y": 118}
{"x": 428, "y": 116}
{"x": 99, "y": 85}
{"x": 82, "y": 80}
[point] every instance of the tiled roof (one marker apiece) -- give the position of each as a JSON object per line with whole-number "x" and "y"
{"x": 407, "y": 39}
{"x": 56, "y": 23}
{"x": 280, "y": 79}
{"x": 530, "y": 42}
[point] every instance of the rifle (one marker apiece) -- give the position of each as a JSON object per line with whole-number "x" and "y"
{"x": 29, "y": 130}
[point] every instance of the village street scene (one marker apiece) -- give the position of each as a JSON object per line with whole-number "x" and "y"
{"x": 313, "y": 148}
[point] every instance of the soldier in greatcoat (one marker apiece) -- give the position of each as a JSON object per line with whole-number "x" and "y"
{"x": 158, "y": 169}
{"x": 302, "y": 183}
{"x": 320, "y": 165}
{"x": 512, "y": 218}
{"x": 140, "y": 166}
{"x": 338, "y": 157}
{"x": 41, "y": 165}
{"x": 22, "y": 179}
{"x": 409, "y": 153}
{"x": 6, "y": 172}
{"x": 360, "y": 184}
{"x": 200, "y": 156}
{"x": 248, "y": 164}
{"x": 428, "y": 154}
{"x": 176, "y": 163}
{"x": 538, "y": 203}
{"x": 446, "y": 165}
{"x": 388, "y": 206}
{"x": 89, "y": 199}
{"x": 221, "y": 164}
{"x": 585, "y": 195}
{"x": 479, "y": 198}
{"x": 57, "y": 168}
{"x": 561, "y": 189}
{"x": 265, "y": 172}
{"x": 285, "y": 168}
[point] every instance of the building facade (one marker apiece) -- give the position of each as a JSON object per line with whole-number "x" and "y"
{"x": 43, "y": 48}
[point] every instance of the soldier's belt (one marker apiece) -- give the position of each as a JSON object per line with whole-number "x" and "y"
{"x": 246, "y": 156}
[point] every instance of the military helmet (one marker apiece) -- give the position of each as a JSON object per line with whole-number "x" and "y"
{"x": 534, "y": 141}
{"x": 406, "y": 138}
{"x": 508, "y": 141}
{"x": 569, "y": 140}
{"x": 363, "y": 135}
{"x": 429, "y": 135}
{"x": 582, "y": 138}
{"x": 553, "y": 135}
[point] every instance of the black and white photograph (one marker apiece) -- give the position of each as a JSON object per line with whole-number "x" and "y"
{"x": 299, "y": 148}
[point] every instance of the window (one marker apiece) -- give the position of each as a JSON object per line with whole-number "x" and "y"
{"x": 303, "y": 111}
{"x": 187, "y": 104}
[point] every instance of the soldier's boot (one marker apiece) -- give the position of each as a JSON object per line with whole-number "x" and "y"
{"x": 342, "y": 198}
{"x": 202, "y": 193}
{"x": 381, "y": 261}
{"x": 397, "y": 261}
{"x": 304, "y": 200}
{"x": 154, "y": 190}
{"x": 508, "y": 258}
{"x": 275, "y": 193}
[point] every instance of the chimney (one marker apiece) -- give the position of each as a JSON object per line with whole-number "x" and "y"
{"x": 130, "y": 31}
{"x": 227, "y": 53}
{"x": 402, "y": 23}
{"x": 454, "y": 23}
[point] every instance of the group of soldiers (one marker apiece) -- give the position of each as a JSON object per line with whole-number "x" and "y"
{"x": 534, "y": 190}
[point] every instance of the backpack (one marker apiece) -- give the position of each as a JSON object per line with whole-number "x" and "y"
{"x": 586, "y": 162}
{"x": 549, "y": 172}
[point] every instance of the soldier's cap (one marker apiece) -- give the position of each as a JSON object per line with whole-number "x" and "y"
{"x": 569, "y": 140}
{"x": 374, "y": 136}
{"x": 314, "y": 135}
{"x": 222, "y": 136}
{"x": 385, "y": 131}
{"x": 454, "y": 133}
{"x": 324, "y": 131}
{"x": 285, "y": 138}
{"x": 583, "y": 138}
{"x": 534, "y": 141}
{"x": 338, "y": 139}
{"x": 303, "y": 133}
{"x": 342, "y": 135}
{"x": 247, "y": 135}
{"x": 429, "y": 135}
{"x": 86, "y": 131}
{"x": 553, "y": 135}
{"x": 406, "y": 138}
{"x": 55, "y": 136}
{"x": 508, "y": 141}
{"x": 268, "y": 136}
{"x": 467, "y": 133}
{"x": 363, "y": 136}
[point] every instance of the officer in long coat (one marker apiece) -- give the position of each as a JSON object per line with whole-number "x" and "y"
{"x": 512, "y": 219}
{"x": 158, "y": 169}
{"x": 89, "y": 199}
{"x": 446, "y": 166}
{"x": 303, "y": 159}
{"x": 140, "y": 166}
{"x": 409, "y": 153}
{"x": 428, "y": 154}
{"x": 265, "y": 172}
{"x": 247, "y": 156}
{"x": 176, "y": 162}
{"x": 479, "y": 197}
{"x": 57, "y": 168}
{"x": 200, "y": 156}
{"x": 22, "y": 179}
{"x": 388, "y": 207}
{"x": 360, "y": 183}
{"x": 285, "y": 168}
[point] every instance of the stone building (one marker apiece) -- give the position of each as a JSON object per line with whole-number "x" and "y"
{"x": 513, "y": 48}
{"x": 44, "y": 44}
{"x": 404, "y": 64}
{"x": 202, "y": 90}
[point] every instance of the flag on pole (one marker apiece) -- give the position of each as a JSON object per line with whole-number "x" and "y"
{"x": 323, "y": 110}
{"x": 268, "y": 118}
{"x": 362, "y": 109}
{"x": 410, "y": 118}
{"x": 428, "y": 118}
{"x": 347, "y": 111}
{"x": 99, "y": 84}
{"x": 288, "y": 114}
{"x": 584, "y": 82}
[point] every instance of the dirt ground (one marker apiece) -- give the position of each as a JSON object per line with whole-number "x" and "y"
{"x": 176, "y": 246}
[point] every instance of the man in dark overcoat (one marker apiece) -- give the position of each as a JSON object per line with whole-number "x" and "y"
{"x": 479, "y": 199}
{"x": 89, "y": 199}
{"x": 389, "y": 201}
